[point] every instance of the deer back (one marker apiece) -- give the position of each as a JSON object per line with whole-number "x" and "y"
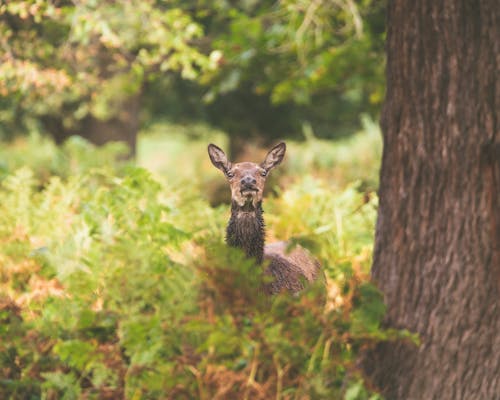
{"x": 290, "y": 269}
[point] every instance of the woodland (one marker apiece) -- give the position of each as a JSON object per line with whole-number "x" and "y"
{"x": 116, "y": 281}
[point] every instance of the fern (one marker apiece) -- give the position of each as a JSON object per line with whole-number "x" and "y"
{"x": 115, "y": 282}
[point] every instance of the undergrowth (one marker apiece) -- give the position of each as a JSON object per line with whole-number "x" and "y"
{"x": 116, "y": 283}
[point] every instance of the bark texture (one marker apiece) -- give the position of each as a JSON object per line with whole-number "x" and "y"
{"x": 437, "y": 250}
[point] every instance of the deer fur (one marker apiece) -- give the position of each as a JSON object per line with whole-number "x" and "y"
{"x": 246, "y": 230}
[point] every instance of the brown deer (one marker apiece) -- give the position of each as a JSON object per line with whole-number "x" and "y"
{"x": 245, "y": 230}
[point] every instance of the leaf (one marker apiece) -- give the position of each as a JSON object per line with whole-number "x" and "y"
{"x": 75, "y": 353}
{"x": 368, "y": 314}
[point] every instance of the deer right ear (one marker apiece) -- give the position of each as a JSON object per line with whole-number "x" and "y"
{"x": 218, "y": 158}
{"x": 274, "y": 157}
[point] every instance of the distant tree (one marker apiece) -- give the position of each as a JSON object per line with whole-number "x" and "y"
{"x": 80, "y": 67}
{"x": 437, "y": 251}
{"x": 260, "y": 69}
{"x": 293, "y": 62}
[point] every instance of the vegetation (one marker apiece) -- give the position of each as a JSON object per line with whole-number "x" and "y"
{"x": 253, "y": 69}
{"x": 282, "y": 65}
{"x": 68, "y": 61}
{"x": 115, "y": 280}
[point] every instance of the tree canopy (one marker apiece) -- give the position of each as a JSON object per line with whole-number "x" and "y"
{"x": 78, "y": 58}
{"x": 318, "y": 63}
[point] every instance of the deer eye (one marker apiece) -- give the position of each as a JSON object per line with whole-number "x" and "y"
{"x": 264, "y": 173}
{"x": 229, "y": 174}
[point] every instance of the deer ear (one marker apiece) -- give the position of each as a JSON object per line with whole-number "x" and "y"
{"x": 274, "y": 157}
{"x": 218, "y": 158}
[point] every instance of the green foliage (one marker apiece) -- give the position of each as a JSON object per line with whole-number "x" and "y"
{"x": 74, "y": 59}
{"x": 294, "y": 49}
{"x": 117, "y": 284}
{"x": 257, "y": 69}
{"x": 282, "y": 65}
{"x": 72, "y": 158}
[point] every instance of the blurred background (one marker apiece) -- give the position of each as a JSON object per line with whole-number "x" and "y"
{"x": 111, "y": 208}
{"x": 257, "y": 71}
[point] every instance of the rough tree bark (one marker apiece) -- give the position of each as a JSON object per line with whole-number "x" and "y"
{"x": 437, "y": 250}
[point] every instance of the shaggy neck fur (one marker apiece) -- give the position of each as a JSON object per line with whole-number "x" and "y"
{"x": 246, "y": 230}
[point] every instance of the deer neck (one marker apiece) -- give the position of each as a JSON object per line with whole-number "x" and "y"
{"x": 246, "y": 230}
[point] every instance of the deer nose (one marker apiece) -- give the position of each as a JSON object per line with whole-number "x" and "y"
{"x": 248, "y": 181}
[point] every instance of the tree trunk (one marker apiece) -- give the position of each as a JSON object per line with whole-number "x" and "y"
{"x": 123, "y": 127}
{"x": 437, "y": 248}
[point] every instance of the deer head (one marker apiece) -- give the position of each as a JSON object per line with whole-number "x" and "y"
{"x": 246, "y": 179}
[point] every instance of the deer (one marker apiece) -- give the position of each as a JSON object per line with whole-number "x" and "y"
{"x": 288, "y": 269}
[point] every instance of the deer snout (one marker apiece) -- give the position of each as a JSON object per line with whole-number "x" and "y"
{"x": 248, "y": 183}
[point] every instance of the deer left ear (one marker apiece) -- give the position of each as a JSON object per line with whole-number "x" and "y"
{"x": 274, "y": 157}
{"x": 218, "y": 158}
